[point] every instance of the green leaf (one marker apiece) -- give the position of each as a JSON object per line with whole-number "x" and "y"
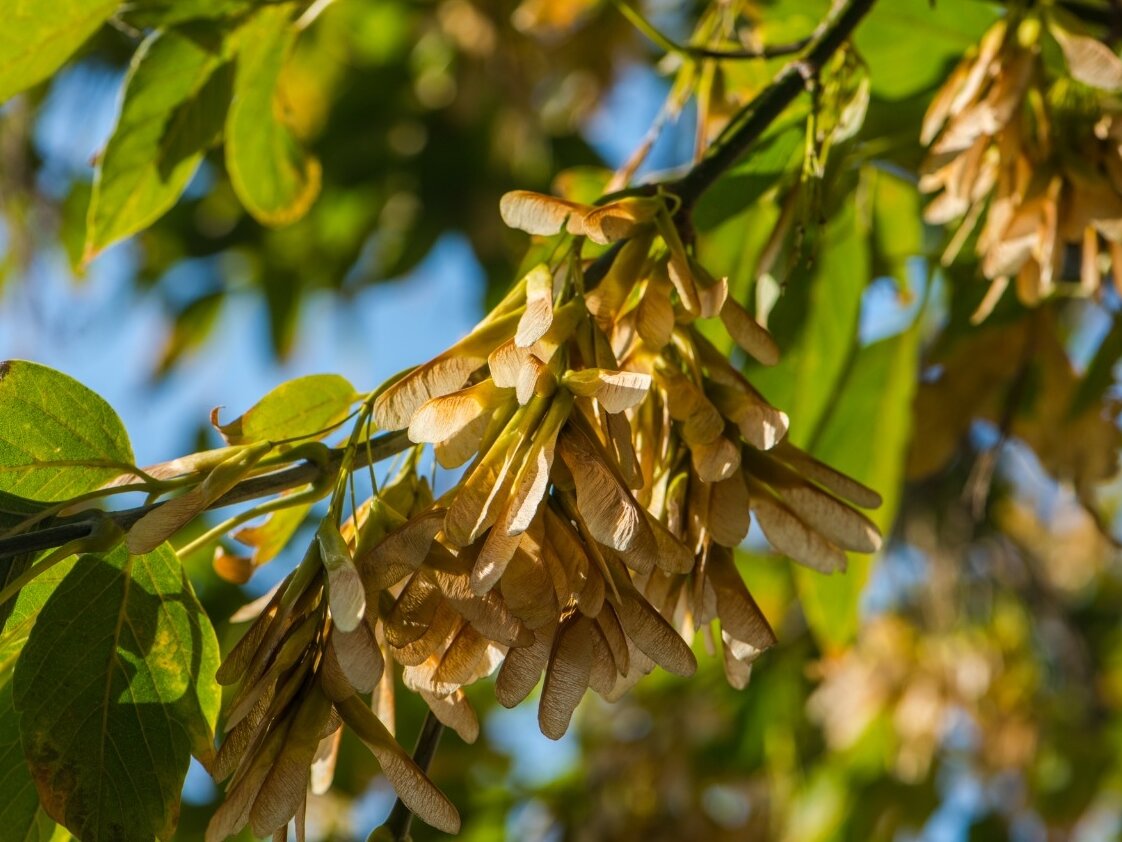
{"x": 865, "y": 434}
{"x": 176, "y": 95}
{"x": 273, "y": 176}
{"x": 48, "y": 418}
{"x": 897, "y": 231}
{"x": 299, "y": 408}
{"x": 25, "y": 607}
{"x": 20, "y": 815}
{"x": 115, "y": 689}
{"x": 815, "y": 323}
{"x": 778, "y": 152}
{"x": 36, "y": 38}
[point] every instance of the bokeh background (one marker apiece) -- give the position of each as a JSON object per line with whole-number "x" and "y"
{"x": 966, "y": 684}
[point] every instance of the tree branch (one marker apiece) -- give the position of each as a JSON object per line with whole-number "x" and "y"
{"x": 303, "y": 473}
{"x": 754, "y": 118}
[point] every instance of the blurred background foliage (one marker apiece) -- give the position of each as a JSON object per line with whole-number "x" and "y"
{"x": 965, "y": 684}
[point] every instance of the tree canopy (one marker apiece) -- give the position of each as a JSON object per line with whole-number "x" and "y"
{"x": 789, "y": 428}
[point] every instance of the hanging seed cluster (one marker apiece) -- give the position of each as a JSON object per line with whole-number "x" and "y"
{"x": 1033, "y": 155}
{"x": 612, "y": 458}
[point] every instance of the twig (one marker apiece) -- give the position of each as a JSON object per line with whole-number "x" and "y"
{"x": 81, "y": 526}
{"x": 401, "y": 818}
{"x": 751, "y": 122}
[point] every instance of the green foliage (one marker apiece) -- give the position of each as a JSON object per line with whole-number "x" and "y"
{"x": 866, "y": 434}
{"x": 816, "y": 323}
{"x": 22, "y": 817}
{"x": 275, "y": 179}
{"x": 176, "y": 95}
{"x": 33, "y": 45}
{"x": 58, "y": 439}
{"x": 306, "y": 406}
{"x": 111, "y": 707}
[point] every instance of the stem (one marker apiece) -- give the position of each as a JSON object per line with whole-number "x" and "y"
{"x": 305, "y": 473}
{"x": 401, "y": 818}
{"x": 747, "y": 127}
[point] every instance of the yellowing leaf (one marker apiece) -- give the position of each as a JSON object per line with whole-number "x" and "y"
{"x": 273, "y": 176}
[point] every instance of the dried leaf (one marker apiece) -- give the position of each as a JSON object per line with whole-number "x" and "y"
{"x": 444, "y": 417}
{"x": 538, "y": 316}
{"x": 536, "y": 213}
{"x": 792, "y": 537}
{"x": 570, "y": 666}
{"x": 748, "y": 334}
{"x": 346, "y": 595}
{"x": 615, "y": 391}
{"x": 236, "y": 569}
{"x": 1089, "y": 60}
{"x": 400, "y": 552}
{"x": 605, "y": 504}
{"x": 522, "y": 668}
{"x": 358, "y": 656}
{"x": 655, "y": 637}
{"x": 412, "y": 786}
{"x": 738, "y": 612}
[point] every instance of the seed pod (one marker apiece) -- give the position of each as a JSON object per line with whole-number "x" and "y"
{"x": 346, "y": 596}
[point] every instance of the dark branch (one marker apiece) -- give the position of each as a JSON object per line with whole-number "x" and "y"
{"x": 754, "y": 119}
{"x": 303, "y": 473}
{"x": 766, "y": 51}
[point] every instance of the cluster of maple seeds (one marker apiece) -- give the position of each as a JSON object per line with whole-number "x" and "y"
{"x": 613, "y": 459}
{"x": 1042, "y": 161}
